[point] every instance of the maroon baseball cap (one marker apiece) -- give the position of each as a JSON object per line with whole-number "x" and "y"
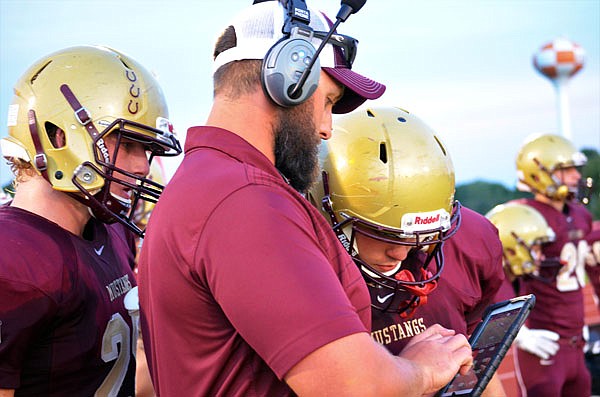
{"x": 358, "y": 87}
{"x": 258, "y": 27}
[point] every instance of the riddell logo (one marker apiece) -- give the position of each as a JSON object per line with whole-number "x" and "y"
{"x": 427, "y": 220}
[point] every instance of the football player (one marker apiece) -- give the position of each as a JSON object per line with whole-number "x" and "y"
{"x": 592, "y": 348}
{"x": 83, "y": 126}
{"x": 547, "y": 166}
{"x": 523, "y": 230}
{"x": 388, "y": 190}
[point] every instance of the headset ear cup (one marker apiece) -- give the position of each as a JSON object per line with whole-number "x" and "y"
{"x": 282, "y": 67}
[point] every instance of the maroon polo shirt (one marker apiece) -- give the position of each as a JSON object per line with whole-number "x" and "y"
{"x": 240, "y": 276}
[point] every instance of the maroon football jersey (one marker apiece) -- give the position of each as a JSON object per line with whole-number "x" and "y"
{"x": 593, "y": 260}
{"x": 64, "y": 330}
{"x": 558, "y": 289}
{"x": 471, "y": 277}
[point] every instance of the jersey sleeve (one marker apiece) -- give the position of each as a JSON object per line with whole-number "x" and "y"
{"x": 265, "y": 268}
{"x": 17, "y": 296}
{"x": 488, "y": 265}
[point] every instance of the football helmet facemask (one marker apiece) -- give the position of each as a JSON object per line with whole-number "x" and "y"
{"x": 388, "y": 176}
{"x": 537, "y": 160}
{"x": 144, "y": 208}
{"x": 520, "y": 227}
{"x": 90, "y": 92}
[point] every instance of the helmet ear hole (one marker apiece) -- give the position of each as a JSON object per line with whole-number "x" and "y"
{"x": 383, "y": 153}
{"x": 56, "y": 135}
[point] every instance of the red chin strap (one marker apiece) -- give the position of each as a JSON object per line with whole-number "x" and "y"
{"x": 421, "y": 291}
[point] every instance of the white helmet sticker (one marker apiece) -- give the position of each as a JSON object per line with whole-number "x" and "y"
{"x": 13, "y": 111}
{"x": 421, "y": 221}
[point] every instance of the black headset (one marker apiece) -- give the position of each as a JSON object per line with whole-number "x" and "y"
{"x": 287, "y": 60}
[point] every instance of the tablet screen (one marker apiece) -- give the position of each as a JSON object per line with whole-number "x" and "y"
{"x": 485, "y": 348}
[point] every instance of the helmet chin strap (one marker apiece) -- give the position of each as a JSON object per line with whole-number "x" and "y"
{"x": 419, "y": 290}
{"x": 40, "y": 161}
{"x": 107, "y": 212}
{"x": 563, "y": 192}
{"x": 338, "y": 227}
{"x": 81, "y": 113}
{"x": 558, "y": 191}
{"x": 413, "y": 304}
{"x": 103, "y": 205}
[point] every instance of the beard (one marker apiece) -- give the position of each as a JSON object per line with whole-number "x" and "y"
{"x": 297, "y": 146}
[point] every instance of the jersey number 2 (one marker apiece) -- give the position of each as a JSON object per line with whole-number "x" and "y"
{"x": 572, "y": 276}
{"x": 117, "y": 333}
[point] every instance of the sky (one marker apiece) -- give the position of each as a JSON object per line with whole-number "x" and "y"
{"x": 463, "y": 66}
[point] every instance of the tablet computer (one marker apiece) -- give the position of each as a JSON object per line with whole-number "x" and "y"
{"x": 490, "y": 342}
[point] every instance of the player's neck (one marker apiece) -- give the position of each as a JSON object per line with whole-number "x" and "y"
{"x": 558, "y": 205}
{"x": 37, "y": 196}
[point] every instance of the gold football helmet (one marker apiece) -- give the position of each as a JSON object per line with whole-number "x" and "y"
{"x": 89, "y": 92}
{"x": 520, "y": 227}
{"x": 539, "y": 157}
{"x": 388, "y": 176}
